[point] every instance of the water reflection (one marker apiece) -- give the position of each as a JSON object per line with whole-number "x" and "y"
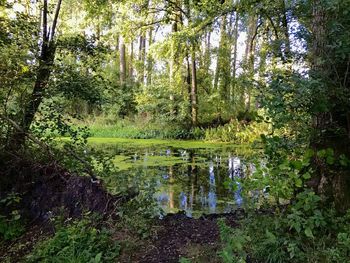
{"x": 194, "y": 180}
{"x": 212, "y": 194}
{"x": 235, "y": 174}
{"x": 186, "y": 188}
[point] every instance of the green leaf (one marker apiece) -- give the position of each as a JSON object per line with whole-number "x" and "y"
{"x": 330, "y": 160}
{"x": 98, "y": 257}
{"x": 343, "y": 160}
{"x": 298, "y": 182}
{"x": 297, "y": 164}
{"x": 308, "y": 232}
{"x": 321, "y": 153}
{"x": 269, "y": 235}
{"x": 306, "y": 175}
{"x": 309, "y": 153}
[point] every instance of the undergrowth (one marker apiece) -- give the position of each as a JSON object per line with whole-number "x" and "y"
{"x": 80, "y": 242}
{"x": 305, "y": 232}
{"x": 235, "y": 131}
{"x": 11, "y": 221}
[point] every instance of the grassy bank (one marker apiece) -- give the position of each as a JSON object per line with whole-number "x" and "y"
{"x": 234, "y": 132}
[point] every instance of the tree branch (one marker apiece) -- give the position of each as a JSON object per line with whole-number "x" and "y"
{"x": 30, "y": 136}
{"x": 68, "y": 150}
{"x": 177, "y": 7}
{"x": 255, "y": 34}
{"x": 54, "y": 22}
{"x": 45, "y": 35}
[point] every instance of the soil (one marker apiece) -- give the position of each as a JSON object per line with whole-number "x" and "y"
{"x": 50, "y": 190}
{"x": 180, "y": 236}
{"x": 68, "y": 196}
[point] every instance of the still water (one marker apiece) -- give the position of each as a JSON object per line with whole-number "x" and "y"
{"x": 204, "y": 179}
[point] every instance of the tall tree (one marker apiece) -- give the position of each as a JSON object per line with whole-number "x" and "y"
{"x": 46, "y": 60}
{"x": 234, "y": 57}
{"x": 194, "y": 88}
{"x": 329, "y": 65}
{"x": 149, "y": 57}
{"x": 122, "y": 60}
{"x": 142, "y": 56}
{"x": 252, "y": 28}
{"x": 131, "y": 61}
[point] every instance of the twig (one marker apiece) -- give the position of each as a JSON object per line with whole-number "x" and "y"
{"x": 30, "y": 136}
{"x": 88, "y": 168}
{"x": 87, "y": 165}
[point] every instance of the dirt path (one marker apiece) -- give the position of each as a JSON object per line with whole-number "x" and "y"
{"x": 180, "y": 236}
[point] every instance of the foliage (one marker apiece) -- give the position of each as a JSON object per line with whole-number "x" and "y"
{"x": 234, "y": 242}
{"x": 184, "y": 260}
{"x": 306, "y": 232}
{"x": 81, "y": 241}
{"x": 138, "y": 128}
{"x": 11, "y": 222}
{"x": 139, "y": 213}
{"x": 236, "y": 132}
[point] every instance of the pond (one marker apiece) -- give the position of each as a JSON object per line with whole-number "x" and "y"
{"x": 193, "y": 177}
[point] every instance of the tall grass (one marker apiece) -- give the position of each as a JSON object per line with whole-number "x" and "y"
{"x": 236, "y": 132}
{"x": 138, "y": 128}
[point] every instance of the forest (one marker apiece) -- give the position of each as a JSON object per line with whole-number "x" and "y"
{"x": 174, "y": 131}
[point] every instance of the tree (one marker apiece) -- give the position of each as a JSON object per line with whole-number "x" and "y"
{"x": 122, "y": 61}
{"x": 46, "y": 60}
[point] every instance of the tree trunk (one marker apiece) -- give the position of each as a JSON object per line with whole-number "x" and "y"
{"x": 234, "y": 59}
{"x": 174, "y": 63}
{"x": 122, "y": 61}
{"x": 219, "y": 60}
{"x": 249, "y": 57}
{"x": 131, "y": 66}
{"x": 142, "y": 56}
{"x": 287, "y": 50}
{"x": 332, "y": 183}
{"x": 46, "y": 60}
{"x": 194, "y": 102}
{"x": 149, "y": 58}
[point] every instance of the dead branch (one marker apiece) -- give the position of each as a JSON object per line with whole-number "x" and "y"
{"x": 87, "y": 167}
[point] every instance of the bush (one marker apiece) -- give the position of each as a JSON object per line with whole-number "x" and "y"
{"x": 80, "y": 242}
{"x": 306, "y": 232}
{"x": 236, "y": 132}
{"x": 11, "y": 223}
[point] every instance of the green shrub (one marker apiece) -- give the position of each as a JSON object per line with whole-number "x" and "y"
{"x": 80, "y": 242}
{"x": 306, "y": 232}
{"x": 11, "y": 223}
{"x": 236, "y": 132}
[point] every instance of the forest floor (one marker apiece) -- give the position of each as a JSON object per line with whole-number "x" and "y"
{"x": 174, "y": 237}
{"x": 181, "y": 237}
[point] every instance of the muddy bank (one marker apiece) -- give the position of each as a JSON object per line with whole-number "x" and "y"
{"x": 67, "y": 195}
{"x": 47, "y": 191}
{"x": 180, "y": 236}
{"x": 50, "y": 190}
